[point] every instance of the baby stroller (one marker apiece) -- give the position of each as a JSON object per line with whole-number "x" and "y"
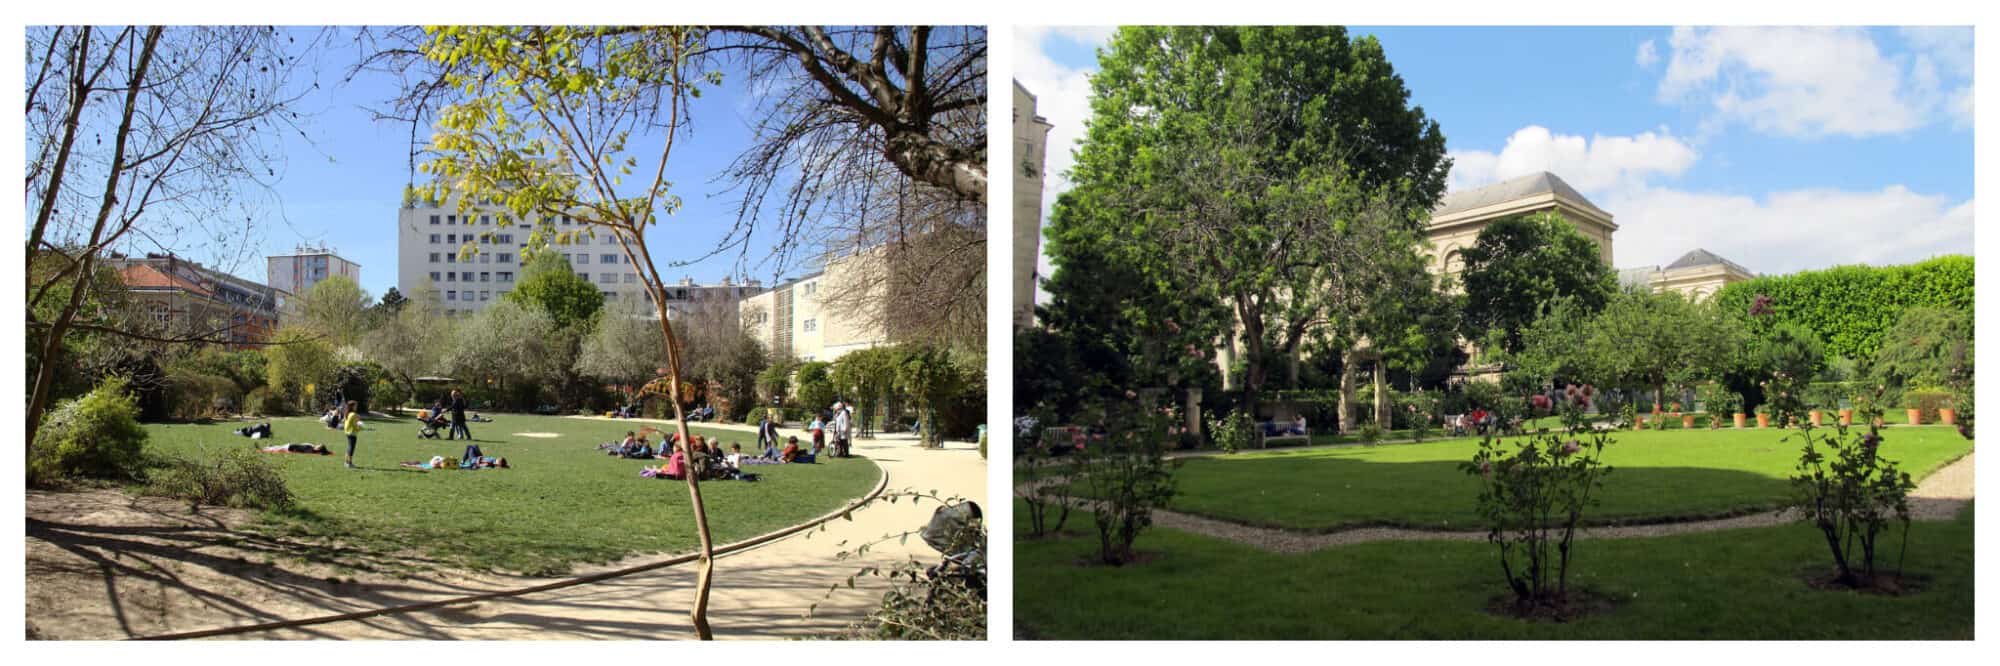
{"x": 429, "y": 423}
{"x": 957, "y": 531}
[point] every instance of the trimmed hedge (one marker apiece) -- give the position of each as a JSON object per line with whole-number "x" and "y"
{"x": 1852, "y": 307}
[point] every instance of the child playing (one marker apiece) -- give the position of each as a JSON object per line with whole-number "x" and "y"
{"x": 352, "y": 427}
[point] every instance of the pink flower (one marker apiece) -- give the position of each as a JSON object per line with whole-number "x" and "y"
{"x": 1130, "y": 394}
{"x": 1173, "y": 327}
{"x": 1486, "y": 469}
{"x": 1539, "y": 401}
{"x": 1571, "y": 447}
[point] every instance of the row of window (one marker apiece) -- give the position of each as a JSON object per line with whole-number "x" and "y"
{"x": 452, "y": 295}
{"x": 466, "y": 276}
{"x": 494, "y": 258}
{"x": 502, "y": 239}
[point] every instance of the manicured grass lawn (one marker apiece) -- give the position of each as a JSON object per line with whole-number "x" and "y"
{"x": 1659, "y": 475}
{"x": 563, "y": 503}
{"x": 1739, "y": 584}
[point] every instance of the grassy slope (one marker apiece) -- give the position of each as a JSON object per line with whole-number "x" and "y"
{"x": 563, "y": 503}
{"x": 1741, "y": 584}
{"x": 1676, "y": 473}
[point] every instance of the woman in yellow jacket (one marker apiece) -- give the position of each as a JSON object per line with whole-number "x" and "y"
{"x": 351, "y": 426}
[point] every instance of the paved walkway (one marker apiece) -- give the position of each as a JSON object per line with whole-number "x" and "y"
{"x": 1939, "y": 496}
{"x": 759, "y": 593}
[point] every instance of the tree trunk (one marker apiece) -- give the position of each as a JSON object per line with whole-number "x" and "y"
{"x": 698, "y": 615}
{"x": 38, "y": 401}
{"x": 1381, "y": 396}
{"x": 1347, "y": 405}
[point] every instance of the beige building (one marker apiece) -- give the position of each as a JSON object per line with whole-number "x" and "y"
{"x": 1697, "y": 275}
{"x": 1031, "y": 136}
{"x": 801, "y": 317}
{"x": 187, "y": 298}
{"x": 1456, "y": 222}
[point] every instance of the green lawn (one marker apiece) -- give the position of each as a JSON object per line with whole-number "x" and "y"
{"x": 563, "y": 503}
{"x": 1659, "y": 475}
{"x": 1739, "y": 584}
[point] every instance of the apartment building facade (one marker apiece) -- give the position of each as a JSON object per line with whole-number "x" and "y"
{"x": 187, "y": 298}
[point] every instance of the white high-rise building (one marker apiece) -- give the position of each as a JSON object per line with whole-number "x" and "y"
{"x": 429, "y": 257}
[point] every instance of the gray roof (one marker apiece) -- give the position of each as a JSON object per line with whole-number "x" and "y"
{"x": 1701, "y": 257}
{"x": 1541, "y": 182}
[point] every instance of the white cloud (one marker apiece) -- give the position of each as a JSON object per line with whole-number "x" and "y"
{"x": 1591, "y": 164}
{"x": 1783, "y": 232}
{"x": 1811, "y": 82}
{"x": 1062, "y": 95}
{"x": 1649, "y": 54}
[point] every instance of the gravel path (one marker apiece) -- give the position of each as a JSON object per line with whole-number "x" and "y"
{"x": 1939, "y": 496}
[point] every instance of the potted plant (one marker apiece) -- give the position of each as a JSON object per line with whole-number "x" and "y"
{"x": 1764, "y": 415}
{"x": 1687, "y": 418}
{"x": 1947, "y": 415}
{"x": 1916, "y": 415}
{"x": 1631, "y": 413}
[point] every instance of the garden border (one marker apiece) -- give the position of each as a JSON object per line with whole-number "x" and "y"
{"x": 881, "y": 484}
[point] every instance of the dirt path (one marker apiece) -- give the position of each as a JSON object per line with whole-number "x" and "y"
{"x": 1939, "y": 496}
{"x": 104, "y": 565}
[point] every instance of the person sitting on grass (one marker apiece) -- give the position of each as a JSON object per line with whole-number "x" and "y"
{"x": 791, "y": 452}
{"x": 317, "y": 449}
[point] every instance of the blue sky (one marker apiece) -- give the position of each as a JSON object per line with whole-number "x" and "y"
{"x": 1780, "y": 148}
{"x": 342, "y": 182}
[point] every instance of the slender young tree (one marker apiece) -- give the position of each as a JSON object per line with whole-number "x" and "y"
{"x": 544, "y": 127}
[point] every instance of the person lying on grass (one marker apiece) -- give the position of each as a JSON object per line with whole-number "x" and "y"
{"x": 440, "y": 462}
{"x": 259, "y": 431}
{"x": 316, "y": 449}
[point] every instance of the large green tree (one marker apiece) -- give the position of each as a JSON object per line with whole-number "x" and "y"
{"x": 549, "y": 284}
{"x": 1658, "y": 340}
{"x": 1518, "y": 264}
{"x": 1928, "y": 347}
{"x": 1219, "y": 162}
{"x": 337, "y": 308}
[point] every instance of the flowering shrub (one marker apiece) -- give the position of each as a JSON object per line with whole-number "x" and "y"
{"x": 1128, "y": 475}
{"x": 1850, "y": 492}
{"x": 1234, "y": 432}
{"x": 1532, "y": 496}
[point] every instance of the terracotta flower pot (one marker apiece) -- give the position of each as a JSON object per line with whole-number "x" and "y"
{"x": 1847, "y": 417}
{"x": 1815, "y": 418}
{"x": 1687, "y": 420}
{"x": 1763, "y": 420}
{"x": 1947, "y": 416}
{"x": 1916, "y": 416}
{"x": 1740, "y": 418}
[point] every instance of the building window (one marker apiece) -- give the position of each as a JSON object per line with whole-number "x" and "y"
{"x": 485, "y": 219}
{"x": 451, "y": 295}
{"x": 583, "y": 276}
{"x": 485, "y": 295}
{"x": 607, "y": 278}
{"x": 485, "y": 258}
{"x": 434, "y": 237}
{"x": 434, "y": 257}
{"x": 506, "y": 258}
{"x": 607, "y": 258}
{"x": 506, "y": 238}
{"x": 485, "y": 276}
{"x": 450, "y": 277}
{"x": 434, "y": 220}
{"x": 465, "y": 277}
{"x": 583, "y": 258}
{"x": 506, "y": 276}
{"x": 451, "y": 219}
{"x": 451, "y": 258}
{"x": 812, "y": 325}
{"x": 452, "y": 238}
{"x": 811, "y": 288}
{"x": 610, "y": 296}
{"x": 434, "y": 276}
{"x": 631, "y": 278}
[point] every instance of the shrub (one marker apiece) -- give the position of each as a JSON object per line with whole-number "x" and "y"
{"x": 239, "y": 478}
{"x": 1533, "y": 496}
{"x": 1235, "y": 432}
{"x": 1370, "y": 433}
{"x": 1853, "y": 308}
{"x": 1127, "y": 477}
{"x": 946, "y": 602}
{"x": 263, "y": 401}
{"x": 1927, "y": 401}
{"x": 1850, "y": 492}
{"x": 96, "y": 435}
{"x": 1042, "y": 483}
{"x": 196, "y": 395}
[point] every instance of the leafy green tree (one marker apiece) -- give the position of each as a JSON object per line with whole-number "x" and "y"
{"x": 1648, "y": 339}
{"x": 1219, "y": 161}
{"x": 622, "y": 349}
{"x": 1928, "y": 347}
{"x": 337, "y": 308}
{"x": 298, "y": 364}
{"x": 413, "y": 343}
{"x": 776, "y": 379}
{"x": 1851, "y": 308}
{"x": 930, "y": 378}
{"x": 815, "y": 385}
{"x": 1520, "y": 263}
{"x": 508, "y": 347}
{"x": 866, "y": 378}
{"x": 392, "y": 303}
{"x": 549, "y": 284}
